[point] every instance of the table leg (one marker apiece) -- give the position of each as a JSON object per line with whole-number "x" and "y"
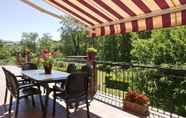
{"x": 46, "y": 102}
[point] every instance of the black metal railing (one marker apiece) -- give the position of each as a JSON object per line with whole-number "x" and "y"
{"x": 165, "y": 87}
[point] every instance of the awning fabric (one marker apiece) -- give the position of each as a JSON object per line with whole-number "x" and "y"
{"x": 107, "y": 17}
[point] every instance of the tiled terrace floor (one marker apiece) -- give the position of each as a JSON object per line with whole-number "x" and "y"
{"x": 97, "y": 109}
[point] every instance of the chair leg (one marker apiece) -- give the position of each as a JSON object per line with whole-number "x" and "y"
{"x": 17, "y": 107}
{"x": 6, "y": 92}
{"x": 33, "y": 101}
{"x": 76, "y": 106}
{"x": 87, "y": 104}
{"x": 10, "y": 105}
{"x": 41, "y": 101}
{"x": 67, "y": 110}
{"x": 54, "y": 104}
{"x": 40, "y": 98}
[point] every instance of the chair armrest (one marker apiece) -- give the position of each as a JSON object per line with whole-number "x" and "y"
{"x": 22, "y": 80}
{"x": 56, "y": 88}
{"x": 19, "y": 76}
{"x": 25, "y": 86}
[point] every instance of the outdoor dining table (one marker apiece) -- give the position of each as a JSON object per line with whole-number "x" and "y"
{"x": 41, "y": 78}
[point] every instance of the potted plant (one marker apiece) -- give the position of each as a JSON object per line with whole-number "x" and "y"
{"x": 91, "y": 53}
{"x": 27, "y": 55}
{"x": 47, "y": 60}
{"x": 136, "y": 102}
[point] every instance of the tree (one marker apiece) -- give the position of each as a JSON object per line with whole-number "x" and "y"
{"x": 72, "y": 32}
{"x": 28, "y": 40}
{"x": 115, "y": 48}
{"x": 45, "y": 42}
{"x": 165, "y": 46}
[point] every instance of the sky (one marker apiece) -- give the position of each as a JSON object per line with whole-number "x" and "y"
{"x": 17, "y": 17}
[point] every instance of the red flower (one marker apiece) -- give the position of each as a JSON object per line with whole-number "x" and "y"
{"x": 45, "y": 50}
{"x": 46, "y": 57}
{"x": 136, "y": 97}
{"x": 45, "y": 54}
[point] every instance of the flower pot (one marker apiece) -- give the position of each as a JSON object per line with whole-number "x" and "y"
{"x": 91, "y": 56}
{"x": 48, "y": 68}
{"x": 136, "y": 108}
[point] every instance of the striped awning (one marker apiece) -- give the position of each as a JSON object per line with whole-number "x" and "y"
{"x": 107, "y": 17}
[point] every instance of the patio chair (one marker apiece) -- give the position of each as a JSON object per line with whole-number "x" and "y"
{"x": 20, "y": 91}
{"x": 76, "y": 91}
{"x": 87, "y": 69}
{"x": 29, "y": 66}
{"x": 20, "y": 82}
{"x": 71, "y": 68}
{"x": 91, "y": 88}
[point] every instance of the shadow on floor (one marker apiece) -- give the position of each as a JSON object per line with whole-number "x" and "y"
{"x": 26, "y": 110}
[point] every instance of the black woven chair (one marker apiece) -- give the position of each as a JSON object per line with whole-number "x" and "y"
{"x": 20, "y": 91}
{"x": 29, "y": 66}
{"x": 20, "y": 82}
{"x": 87, "y": 69}
{"x": 71, "y": 68}
{"x": 76, "y": 90}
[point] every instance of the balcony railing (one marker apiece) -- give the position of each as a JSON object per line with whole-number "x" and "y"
{"x": 165, "y": 87}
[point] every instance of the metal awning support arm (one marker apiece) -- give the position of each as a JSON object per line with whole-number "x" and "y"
{"x": 32, "y": 4}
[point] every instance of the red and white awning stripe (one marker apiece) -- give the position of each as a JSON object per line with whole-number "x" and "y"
{"x": 167, "y": 20}
{"x": 107, "y": 17}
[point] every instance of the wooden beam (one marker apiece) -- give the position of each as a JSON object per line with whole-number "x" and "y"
{"x": 143, "y": 16}
{"x": 30, "y": 3}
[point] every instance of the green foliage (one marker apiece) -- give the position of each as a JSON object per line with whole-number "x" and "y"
{"x": 72, "y": 36}
{"x": 141, "y": 51}
{"x": 28, "y": 40}
{"x": 115, "y": 48}
{"x": 105, "y": 68}
{"x": 45, "y": 42}
{"x": 7, "y": 52}
{"x": 91, "y": 50}
{"x": 164, "y": 46}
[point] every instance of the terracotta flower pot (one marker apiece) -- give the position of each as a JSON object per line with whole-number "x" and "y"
{"x": 48, "y": 68}
{"x": 136, "y": 108}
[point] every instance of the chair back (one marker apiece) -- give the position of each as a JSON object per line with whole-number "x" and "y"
{"x": 71, "y": 68}
{"x": 29, "y": 66}
{"x": 77, "y": 85}
{"x": 6, "y": 77}
{"x": 87, "y": 69}
{"x": 11, "y": 81}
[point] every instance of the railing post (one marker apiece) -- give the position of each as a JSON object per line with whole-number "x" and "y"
{"x": 93, "y": 81}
